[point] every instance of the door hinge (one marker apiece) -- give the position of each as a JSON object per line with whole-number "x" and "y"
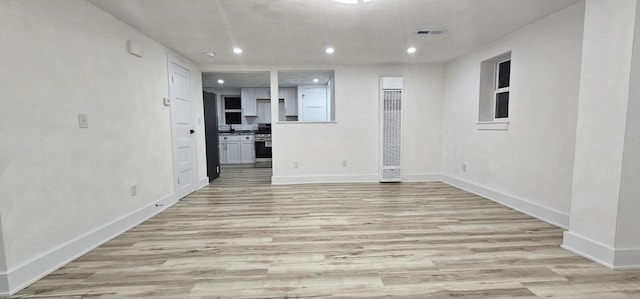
{"x": 178, "y": 181}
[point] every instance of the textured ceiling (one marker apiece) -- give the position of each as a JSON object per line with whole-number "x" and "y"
{"x": 295, "y": 32}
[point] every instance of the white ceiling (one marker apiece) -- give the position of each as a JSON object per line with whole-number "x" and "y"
{"x": 295, "y": 32}
{"x": 262, "y": 79}
{"x": 236, "y": 80}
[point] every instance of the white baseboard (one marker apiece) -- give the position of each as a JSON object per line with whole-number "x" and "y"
{"x": 625, "y": 258}
{"x": 26, "y": 274}
{"x": 543, "y": 213}
{"x": 424, "y": 177}
{"x": 320, "y": 179}
{"x": 203, "y": 182}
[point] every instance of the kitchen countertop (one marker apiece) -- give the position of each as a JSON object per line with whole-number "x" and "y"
{"x": 227, "y": 133}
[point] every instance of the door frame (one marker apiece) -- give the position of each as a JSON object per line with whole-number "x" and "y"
{"x": 173, "y": 59}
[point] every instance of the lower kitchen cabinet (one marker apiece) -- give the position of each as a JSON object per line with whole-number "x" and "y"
{"x": 247, "y": 149}
{"x": 233, "y": 152}
{"x": 237, "y": 149}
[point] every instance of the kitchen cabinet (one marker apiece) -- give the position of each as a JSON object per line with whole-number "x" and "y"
{"x": 291, "y": 101}
{"x": 247, "y": 149}
{"x": 249, "y": 104}
{"x": 263, "y": 93}
{"x": 237, "y": 149}
{"x": 230, "y": 150}
{"x": 222, "y": 151}
{"x": 233, "y": 152}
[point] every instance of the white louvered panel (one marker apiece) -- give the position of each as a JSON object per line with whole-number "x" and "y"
{"x": 391, "y": 130}
{"x": 391, "y": 137}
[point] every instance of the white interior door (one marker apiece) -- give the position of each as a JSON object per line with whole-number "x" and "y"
{"x": 313, "y": 104}
{"x": 181, "y": 128}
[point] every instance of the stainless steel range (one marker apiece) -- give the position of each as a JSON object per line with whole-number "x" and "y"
{"x": 263, "y": 146}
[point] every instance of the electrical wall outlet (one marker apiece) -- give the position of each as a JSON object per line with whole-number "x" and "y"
{"x": 296, "y": 164}
{"x": 134, "y": 190}
{"x": 83, "y": 121}
{"x": 464, "y": 167}
{"x": 344, "y": 163}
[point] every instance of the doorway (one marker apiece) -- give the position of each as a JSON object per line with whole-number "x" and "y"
{"x": 243, "y": 123}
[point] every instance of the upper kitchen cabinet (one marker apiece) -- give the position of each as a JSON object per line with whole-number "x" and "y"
{"x": 249, "y": 104}
{"x": 263, "y": 93}
{"x": 290, "y": 101}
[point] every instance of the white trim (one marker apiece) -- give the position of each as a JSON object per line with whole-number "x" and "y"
{"x": 627, "y": 258}
{"x": 202, "y": 183}
{"x": 422, "y": 177}
{"x": 590, "y": 249}
{"x": 321, "y": 179}
{"x": 545, "y": 214}
{"x": 623, "y": 258}
{"x": 497, "y": 125}
{"x": 22, "y": 276}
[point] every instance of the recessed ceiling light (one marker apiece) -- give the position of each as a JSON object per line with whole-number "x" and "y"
{"x": 210, "y": 54}
{"x": 330, "y": 50}
{"x": 316, "y": 80}
{"x": 237, "y": 50}
{"x": 220, "y": 81}
{"x": 411, "y": 50}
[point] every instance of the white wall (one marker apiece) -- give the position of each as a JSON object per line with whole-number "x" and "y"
{"x": 604, "y": 207}
{"x": 530, "y": 164}
{"x": 4, "y": 282}
{"x": 628, "y": 222}
{"x": 198, "y": 122}
{"x": 59, "y": 183}
{"x": 319, "y": 148}
{"x": 602, "y": 122}
{"x": 3, "y": 260}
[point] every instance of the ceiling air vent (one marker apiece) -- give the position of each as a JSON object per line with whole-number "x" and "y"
{"x": 430, "y": 32}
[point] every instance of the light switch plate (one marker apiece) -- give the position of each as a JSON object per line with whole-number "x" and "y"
{"x": 134, "y": 190}
{"x": 83, "y": 121}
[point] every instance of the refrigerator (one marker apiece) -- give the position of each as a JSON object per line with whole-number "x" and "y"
{"x": 211, "y": 134}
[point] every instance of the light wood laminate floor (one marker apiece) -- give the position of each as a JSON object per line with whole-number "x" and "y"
{"x": 240, "y": 237}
